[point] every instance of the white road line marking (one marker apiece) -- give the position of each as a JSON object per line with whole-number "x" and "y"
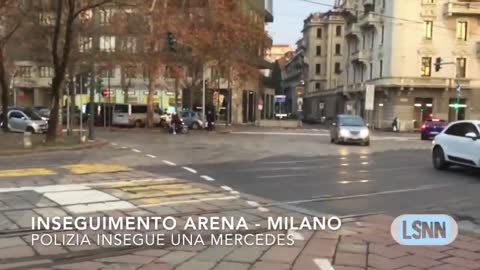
{"x": 234, "y": 192}
{"x": 295, "y": 161}
{"x": 364, "y": 195}
{"x": 136, "y": 150}
{"x": 296, "y": 235}
{"x": 262, "y": 209}
{"x": 114, "y": 144}
{"x": 208, "y": 178}
{"x": 280, "y": 133}
{"x": 189, "y": 169}
{"x": 315, "y": 129}
{"x": 227, "y": 188}
{"x": 169, "y": 163}
{"x": 252, "y": 203}
{"x": 151, "y": 156}
{"x": 124, "y": 147}
{"x": 280, "y": 176}
{"x": 323, "y": 264}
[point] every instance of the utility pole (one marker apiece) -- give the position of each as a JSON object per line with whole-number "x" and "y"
{"x": 203, "y": 95}
{"x": 438, "y": 66}
{"x": 91, "y": 118}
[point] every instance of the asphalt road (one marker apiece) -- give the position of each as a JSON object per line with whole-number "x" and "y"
{"x": 298, "y": 169}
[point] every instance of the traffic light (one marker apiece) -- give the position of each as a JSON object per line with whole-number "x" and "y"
{"x": 99, "y": 85}
{"x": 438, "y": 64}
{"x": 171, "y": 42}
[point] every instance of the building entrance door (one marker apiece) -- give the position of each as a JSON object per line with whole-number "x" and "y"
{"x": 248, "y": 106}
{"x": 456, "y": 109}
{"x": 423, "y": 109}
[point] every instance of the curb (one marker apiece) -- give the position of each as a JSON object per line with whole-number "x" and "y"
{"x": 49, "y": 149}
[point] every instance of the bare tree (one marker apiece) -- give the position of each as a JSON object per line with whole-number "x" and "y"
{"x": 11, "y": 19}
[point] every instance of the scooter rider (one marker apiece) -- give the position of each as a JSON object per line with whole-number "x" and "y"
{"x": 176, "y": 121}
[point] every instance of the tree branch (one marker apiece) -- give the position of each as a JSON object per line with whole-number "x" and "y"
{"x": 88, "y": 7}
{"x": 7, "y": 37}
{"x": 56, "y": 34}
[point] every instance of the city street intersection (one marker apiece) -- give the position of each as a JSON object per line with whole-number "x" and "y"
{"x": 246, "y": 172}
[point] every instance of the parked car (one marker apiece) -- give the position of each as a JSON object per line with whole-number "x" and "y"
{"x": 431, "y": 128}
{"x": 26, "y": 120}
{"x": 192, "y": 119}
{"x": 349, "y": 129}
{"x": 132, "y": 115}
{"x": 43, "y": 112}
{"x": 457, "y": 144}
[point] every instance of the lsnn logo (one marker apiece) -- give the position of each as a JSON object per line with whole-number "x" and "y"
{"x": 424, "y": 230}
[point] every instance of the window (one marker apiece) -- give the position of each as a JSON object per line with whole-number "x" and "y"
{"x": 319, "y": 50}
{"x": 462, "y": 30}
{"x": 461, "y": 129}
{"x": 130, "y": 72}
{"x": 338, "y": 31}
{"x": 318, "y": 68}
{"x": 383, "y": 34}
{"x": 363, "y": 41}
{"x": 319, "y": 32}
{"x": 129, "y": 44}
{"x": 25, "y": 71}
{"x": 47, "y": 18}
{"x": 108, "y": 74}
{"x": 338, "y": 49}
{"x": 381, "y": 68}
{"x": 317, "y": 86}
{"x": 428, "y": 30}
{"x": 139, "y": 109}
{"x": 372, "y": 36}
{"x": 106, "y": 16}
{"x": 426, "y": 67}
{"x": 85, "y": 44}
{"x": 107, "y": 43}
{"x": 461, "y": 67}
{"x": 371, "y": 71}
{"x": 337, "y": 68}
{"x": 46, "y": 72}
{"x": 16, "y": 114}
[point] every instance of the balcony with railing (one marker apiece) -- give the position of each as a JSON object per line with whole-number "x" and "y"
{"x": 368, "y": 2}
{"x": 349, "y": 8}
{"x": 269, "y": 11}
{"x": 369, "y": 19}
{"x": 362, "y": 56}
{"x": 353, "y": 30}
{"x": 462, "y": 8}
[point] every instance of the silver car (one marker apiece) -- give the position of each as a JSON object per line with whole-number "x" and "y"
{"x": 350, "y": 129}
{"x": 192, "y": 119}
{"x": 26, "y": 121}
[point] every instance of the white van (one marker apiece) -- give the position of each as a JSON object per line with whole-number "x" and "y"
{"x": 132, "y": 115}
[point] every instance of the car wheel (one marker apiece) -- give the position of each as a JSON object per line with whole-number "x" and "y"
{"x": 438, "y": 158}
{"x": 31, "y": 130}
{"x": 332, "y": 140}
{"x": 366, "y": 143}
{"x": 336, "y": 140}
{"x": 195, "y": 125}
{"x": 138, "y": 124}
{"x": 423, "y": 137}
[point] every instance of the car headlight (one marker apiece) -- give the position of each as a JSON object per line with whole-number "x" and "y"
{"x": 364, "y": 133}
{"x": 344, "y": 132}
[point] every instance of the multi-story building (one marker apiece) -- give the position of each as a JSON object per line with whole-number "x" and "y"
{"x": 293, "y": 81}
{"x": 323, "y": 35}
{"x": 236, "y": 101}
{"x": 277, "y": 51}
{"x": 394, "y": 45}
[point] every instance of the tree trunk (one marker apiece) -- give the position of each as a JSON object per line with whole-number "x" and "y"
{"x": 53, "y": 124}
{"x": 4, "y": 89}
{"x": 176, "y": 93}
{"x": 151, "y": 89}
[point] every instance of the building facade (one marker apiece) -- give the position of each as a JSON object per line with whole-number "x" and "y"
{"x": 293, "y": 81}
{"x": 323, "y": 34}
{"x": 237, "y": 101}
{"x": 395, "y": 50}
{"x": 277, "y": 51}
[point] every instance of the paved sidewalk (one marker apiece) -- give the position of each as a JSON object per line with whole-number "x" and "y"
{"x": 362, "y": 243}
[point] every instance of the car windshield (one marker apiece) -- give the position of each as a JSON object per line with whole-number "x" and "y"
{"x": 351, "y": 121}
{"x": 32, "y": 114}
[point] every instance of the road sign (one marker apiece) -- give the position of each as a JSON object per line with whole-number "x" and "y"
{"x": 321, "y": 105}
{"x": 369, "y": 97}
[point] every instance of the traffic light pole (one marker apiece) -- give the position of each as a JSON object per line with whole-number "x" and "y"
{"x": 93, "y": 71}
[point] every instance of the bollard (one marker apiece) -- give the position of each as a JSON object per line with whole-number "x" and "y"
{"x": 27, "y": 140}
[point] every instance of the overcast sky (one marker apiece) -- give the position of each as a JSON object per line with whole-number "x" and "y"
{"x": 289, "y": 16}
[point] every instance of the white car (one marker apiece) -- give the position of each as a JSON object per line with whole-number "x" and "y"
{"x": 457, "y": 144}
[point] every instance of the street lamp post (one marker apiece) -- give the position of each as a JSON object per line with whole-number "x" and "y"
{"x": 203, "y": 94}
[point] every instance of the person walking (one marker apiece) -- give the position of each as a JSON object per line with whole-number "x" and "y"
{"x": 395, "y": 126}
{"x": 210, "y": 119}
